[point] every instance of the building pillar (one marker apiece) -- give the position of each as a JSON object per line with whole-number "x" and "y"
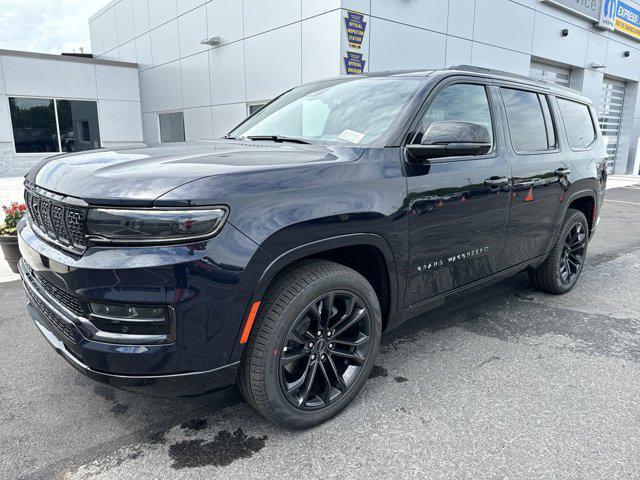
{"x": 633, "y": 119}
{"x": 588, "y": 82}
{"x": 626, "y": 142}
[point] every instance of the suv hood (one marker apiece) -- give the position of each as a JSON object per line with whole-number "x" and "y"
{"x": 140, "y": 175}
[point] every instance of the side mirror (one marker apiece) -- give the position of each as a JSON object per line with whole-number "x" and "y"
{"x": 451, "y": 139}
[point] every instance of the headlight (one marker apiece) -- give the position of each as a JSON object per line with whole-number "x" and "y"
{"x": 153, "y": 226}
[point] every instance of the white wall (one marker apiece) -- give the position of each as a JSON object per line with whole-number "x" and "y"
{"x": 268, "y": 46}
{"x": 114, "y": 86}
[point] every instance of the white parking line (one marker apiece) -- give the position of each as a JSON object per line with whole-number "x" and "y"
{"x": 621, "y": 201}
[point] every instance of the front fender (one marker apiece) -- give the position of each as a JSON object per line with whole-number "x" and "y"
{"x": 286, "y": 258}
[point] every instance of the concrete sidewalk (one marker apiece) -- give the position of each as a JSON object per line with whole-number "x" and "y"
{"x": 11, "y": 190}
{"x": 616, "y": 181}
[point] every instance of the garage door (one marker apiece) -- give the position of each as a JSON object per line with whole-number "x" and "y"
{"x": 550, "y": 73}
{"x": 610, "y": 114}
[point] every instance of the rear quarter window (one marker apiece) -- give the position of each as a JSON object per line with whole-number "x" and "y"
{"x": 578, "y": 123}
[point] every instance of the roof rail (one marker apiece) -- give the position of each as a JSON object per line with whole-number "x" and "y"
{"x": 490, "y": 71}
{"x": 516, "y": 76}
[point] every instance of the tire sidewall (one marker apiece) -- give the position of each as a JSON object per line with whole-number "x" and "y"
{"x": 283, "y": 410}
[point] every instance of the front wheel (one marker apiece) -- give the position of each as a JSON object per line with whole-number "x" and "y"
{"x": 562, "y": 268}
{"x": 313, "y": 344}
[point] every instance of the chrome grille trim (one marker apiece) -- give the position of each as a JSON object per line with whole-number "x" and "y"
{"x": 57, "y": 219}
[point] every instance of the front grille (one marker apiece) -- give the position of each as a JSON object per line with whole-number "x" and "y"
{"x": 56, "y": 220}
{"x": 63, "y": 297}
{"x": 52, "y": 316}
{"x": 67, "y": 299}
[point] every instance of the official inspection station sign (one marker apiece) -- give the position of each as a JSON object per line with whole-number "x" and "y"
{"x": 354, "y": 49}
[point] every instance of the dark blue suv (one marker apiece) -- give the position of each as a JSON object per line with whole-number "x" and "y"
{"x": 276, "y": 256}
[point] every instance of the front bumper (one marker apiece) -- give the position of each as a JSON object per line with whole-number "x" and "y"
{"x": 207, "y": 298}
{"x": 61, "y": 332}
{"x": 178, "y": 385}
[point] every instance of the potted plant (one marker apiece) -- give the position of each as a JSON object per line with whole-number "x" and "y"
{"x": 9, "y": 233}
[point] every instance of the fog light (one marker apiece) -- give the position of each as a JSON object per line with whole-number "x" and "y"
{"x": 135, "y": 324}
{"x": 129, "y": 312}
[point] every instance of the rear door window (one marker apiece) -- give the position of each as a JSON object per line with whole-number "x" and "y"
{"x": 578, "y": 123}
{"x": 530, "y": 123}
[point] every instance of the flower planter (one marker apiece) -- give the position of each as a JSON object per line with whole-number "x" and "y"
{"x": 10, "y": 250}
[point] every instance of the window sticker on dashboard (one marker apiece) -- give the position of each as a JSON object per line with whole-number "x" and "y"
{"x": 351, "y": 136}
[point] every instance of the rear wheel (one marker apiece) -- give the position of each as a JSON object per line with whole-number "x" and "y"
{"x": 562, "y": 268}
{"x": 313, "y": 344}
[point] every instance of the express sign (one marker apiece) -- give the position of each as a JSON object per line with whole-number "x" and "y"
{"x": 627, "y": 20}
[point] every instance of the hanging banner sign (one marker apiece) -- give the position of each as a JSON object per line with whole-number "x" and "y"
{"x": 622, "y": 16}
{"x": 584, "y": 8}
{"x": 608, "y": 11}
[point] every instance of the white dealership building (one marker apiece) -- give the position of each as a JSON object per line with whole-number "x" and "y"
{"x": 204, "y": 66}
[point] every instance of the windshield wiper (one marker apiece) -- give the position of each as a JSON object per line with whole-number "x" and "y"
{"x": 279, "y": 139}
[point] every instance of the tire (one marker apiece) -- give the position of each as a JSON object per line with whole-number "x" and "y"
{"x": 561, "y": 269}
{"x": 290, "y": 310}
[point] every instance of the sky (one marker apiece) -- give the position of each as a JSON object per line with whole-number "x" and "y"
{"x": 46, "y": 26}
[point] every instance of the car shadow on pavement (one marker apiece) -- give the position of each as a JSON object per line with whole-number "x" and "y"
{"x": 208, "y": 430}
{"x": 121, "y": 403}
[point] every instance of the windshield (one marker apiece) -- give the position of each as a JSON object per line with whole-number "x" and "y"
{"x": 354, "y": 112}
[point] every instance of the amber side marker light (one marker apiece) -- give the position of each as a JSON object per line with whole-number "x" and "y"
{"x": 249, "y": 323}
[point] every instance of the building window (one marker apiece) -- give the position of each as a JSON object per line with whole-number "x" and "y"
{"x": 86, "y": 131}
{"x": 254, "y": 107}
{"x": 78, "y": 122}
{"x": 42, "y": 125}
{"x": 550, "y": 73}
{"x": 171, "y": 127}
{"x": 34, "y": 125}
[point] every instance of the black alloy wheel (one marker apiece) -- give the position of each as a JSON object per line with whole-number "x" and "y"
{"x": 572, "y": 257}
{"x": 325, "y": 350}
{"x": 562, "y": 267}
{"x": 313, "y": 344}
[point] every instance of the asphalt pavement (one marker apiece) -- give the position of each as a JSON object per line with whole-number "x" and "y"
{"x": 505, "y": 383}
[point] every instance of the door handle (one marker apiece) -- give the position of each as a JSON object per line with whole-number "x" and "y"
{"x": 563, "y": 172}
{"x": 496, "y": 182}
